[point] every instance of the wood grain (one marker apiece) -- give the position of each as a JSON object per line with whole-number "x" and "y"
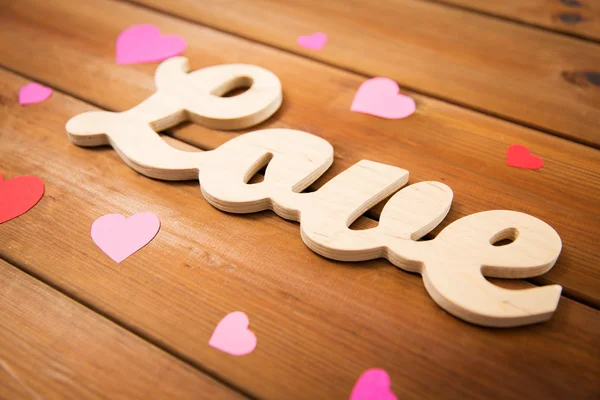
{"x": 505, "y": 69}
{"x": 441, "y": 142}
{"x": 576, "y": 17}
{"x": 319, "y": 323}
{"x": 54, "y": 348}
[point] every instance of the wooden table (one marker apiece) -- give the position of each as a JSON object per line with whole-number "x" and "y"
{"x": 74, "y": 324}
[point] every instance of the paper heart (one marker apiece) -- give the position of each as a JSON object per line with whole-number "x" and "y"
{"x": 373, "y": 384}
{"x": 19, "y": 195}
{"x": 520, "y": 157}
{"x": 144, "y": 43}
{"x": 380, "y": 97}
{"x": 119, "y": 237}
{"x": 33, "y": 93}
{"x": 232, "y": 335}
{"x": 316, "y": 41}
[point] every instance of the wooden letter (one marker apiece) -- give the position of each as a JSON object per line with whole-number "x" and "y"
{"x": 295, "y": 160}
{"x": 464, "y": 252}
{"x": 180, "y": 96}
{"x": 328, "y": 212}
{"x": 453, "y": 265}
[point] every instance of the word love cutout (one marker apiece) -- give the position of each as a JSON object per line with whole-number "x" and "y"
{"x": 453, "y": 265}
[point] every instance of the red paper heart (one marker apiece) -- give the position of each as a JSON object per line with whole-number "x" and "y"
{"x": 520, "y": 157}
{"x": 19, "y": 195}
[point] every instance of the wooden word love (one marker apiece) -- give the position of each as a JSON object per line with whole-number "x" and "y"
{"x": 453, "y": 265}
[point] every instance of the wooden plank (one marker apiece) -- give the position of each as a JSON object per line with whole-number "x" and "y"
{"x": 54, "y": 348}
{"x": 319, "y": 323}
{"x": 517, "y": 72}
{"x": 576, "y": 17}
{"x": 440, "y": 142}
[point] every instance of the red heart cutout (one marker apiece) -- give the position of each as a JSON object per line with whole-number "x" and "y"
{"x": 520, "y": 157}
{"x": 19, "y": 195}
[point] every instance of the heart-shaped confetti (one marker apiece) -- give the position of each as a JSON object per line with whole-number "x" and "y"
{"x": 232, "y": 335}
{"x": 520, "y": 157}
{"x": 18, "y": 195}
{"x": 373, "y": 384}
{"x": 119, "y": 237}
{"x": 144, "y": 44}
{"x": 316, "y": 41}
{"x": 381, "y": 97}
{"x": 33, "y": 93}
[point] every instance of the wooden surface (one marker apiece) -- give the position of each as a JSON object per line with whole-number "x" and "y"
{"x": 441, "y": 142}
{"x": 513, "y": 71}
{"x": 319, "y": 323}
{"x": 575, "y": 17}
{"x": 54, "y": 348}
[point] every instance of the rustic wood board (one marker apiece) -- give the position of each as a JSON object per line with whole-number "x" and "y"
{"x": 319, "y": 323}
{"x": 576, "y": 17}
{"x": 54, "y": 348}
{"x": 441, "y": 142}
{"x": 505, "y": 69}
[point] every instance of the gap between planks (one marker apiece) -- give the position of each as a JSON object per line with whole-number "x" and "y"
{"x": 159, "y": 345}
{"x": 358, "y": 73}
{"x": 368, "y": 219}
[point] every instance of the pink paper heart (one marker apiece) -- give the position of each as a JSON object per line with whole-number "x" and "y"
{"x": 316, "y": 41}
{"x": 232, "y": 335}
{"x": 119, "y": 237}
{"x": 144, "y": 43}
{"x": 519, "y": 156}
{"x": 373, "y": 384}
{"x": 380, "y": 97}
{"x": 33, "y": 93}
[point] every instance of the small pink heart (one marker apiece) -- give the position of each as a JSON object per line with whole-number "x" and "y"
{"x": 33, "y": 93}
{"x": 232, "y": 335}
{"x": 316, "y": 41}
{"x": 519, "y": 156}
{"x": 380, "y": 97}
{"x": 119, "y": 237}
{"x": 144, "y": 43}
{"x": 373, "y": 384}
